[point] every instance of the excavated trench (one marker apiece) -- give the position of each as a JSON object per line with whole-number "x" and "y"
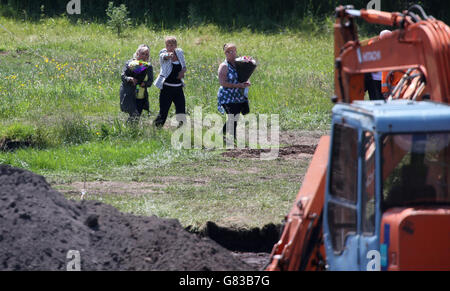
{"x": 12, "y": 145}
{"x": 253, "y": 246}
{"x": 256, "y": 240}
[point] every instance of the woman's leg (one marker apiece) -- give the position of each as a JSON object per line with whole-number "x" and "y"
{"x": 233, "y": 110}
{"x": 245, "y": 109}
{"x": 180, "y": 105}
{"x": 165, "y": 100}
{"x": 140, "y": 104}
{"x": 134, "y": 115}
{"x": 146, "y": 103}
{"x": 377, "y": 88}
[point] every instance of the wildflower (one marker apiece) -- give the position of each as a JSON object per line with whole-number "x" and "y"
{"x": 46, "y": 60}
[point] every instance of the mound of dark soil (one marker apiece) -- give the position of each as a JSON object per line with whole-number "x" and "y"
{"x": 289, "y": 152}
{"x": 39, "y": 227}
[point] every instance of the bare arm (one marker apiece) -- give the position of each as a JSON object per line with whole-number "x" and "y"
{"x": 181, "y": 73}
{"x": 167, "y": 56}
{"x": 164, "y": 56}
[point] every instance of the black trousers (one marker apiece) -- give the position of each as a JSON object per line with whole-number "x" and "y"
{"x": 141, "y": 105}
{"x": 166, "y": 96}
{"x": 234, "y": 109}
{"x": 373, "y": 87}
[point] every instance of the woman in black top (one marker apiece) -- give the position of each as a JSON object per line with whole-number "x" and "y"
{"x": 170, "y": 82}
{"x": 132, "y": 101}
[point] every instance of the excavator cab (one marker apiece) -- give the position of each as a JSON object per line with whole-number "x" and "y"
{"x": 387, "y": 196}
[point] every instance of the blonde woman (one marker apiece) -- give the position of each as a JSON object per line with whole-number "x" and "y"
{"x": 135, "y": 81}
{"x": 170, "y": 82}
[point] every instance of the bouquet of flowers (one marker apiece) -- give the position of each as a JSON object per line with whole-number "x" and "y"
{"x": 138, "y": 66}
{"x": 245, "y": 66}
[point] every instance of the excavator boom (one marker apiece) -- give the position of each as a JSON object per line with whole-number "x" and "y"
{"x": 296, "y": 249}
{"x": 421, "y": 44}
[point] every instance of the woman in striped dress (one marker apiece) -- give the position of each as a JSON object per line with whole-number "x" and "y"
{"x": 230, "y": 98}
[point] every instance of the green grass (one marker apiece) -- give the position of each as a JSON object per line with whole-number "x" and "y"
{"x": 89, "y": 157}
{"x": 230, "y": 192}
{"x": 59, "y": 85}
{"x": 54, "y": 67}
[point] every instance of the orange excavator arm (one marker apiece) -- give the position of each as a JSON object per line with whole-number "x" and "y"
{"x": 418, "y": 44}
{"x": 300, "y": 247}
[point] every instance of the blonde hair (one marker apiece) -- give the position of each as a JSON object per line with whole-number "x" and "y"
{"x": 228, "y": 45}
{"x": 141, "y": 48}
{"x": 170, "y": 39}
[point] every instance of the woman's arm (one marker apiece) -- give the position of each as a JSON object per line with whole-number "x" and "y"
{"x": 149, "y": 81}
{"x": 164, "y": 56}
{"x": 167, "y": 56}
{"x": 223, "y": 71}
{"x": 180, "y": 55}
{"x": 181, "y": 73}
{"x": 125, "y": 75}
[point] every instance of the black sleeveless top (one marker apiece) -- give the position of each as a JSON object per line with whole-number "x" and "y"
{"x": 173, "y": 77}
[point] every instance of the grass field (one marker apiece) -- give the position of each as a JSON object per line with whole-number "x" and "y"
{"x": 59, "y": 86}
